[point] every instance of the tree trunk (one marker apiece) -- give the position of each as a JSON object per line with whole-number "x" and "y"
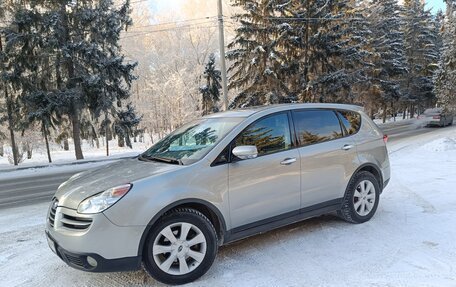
{"x": 393, "y": 111}
{"x": 404, "y": 113}
{"x": 1, "y": 149}
{"x": 128, "y": 140}
{"x": 120, "y": 141}
{"x": 69, "y": 65}
{"x": 10, "y": 126}
{"x": 77, "y": 135}
{"x": 412, "y": 111}
{"x": 106, "y": 134}
{"x": 384, "y": 113}
{"x": 29, "y": 150}
{"x": 66, "y": 145}
{"x": 45, "y": 133}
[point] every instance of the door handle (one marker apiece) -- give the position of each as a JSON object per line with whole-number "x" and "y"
{"x": 288, "y": 161}
{"x": 347, "y": 147}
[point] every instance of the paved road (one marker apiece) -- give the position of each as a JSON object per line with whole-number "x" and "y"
{"x": 405, "y": 129}
{"x": 31, "y": 190}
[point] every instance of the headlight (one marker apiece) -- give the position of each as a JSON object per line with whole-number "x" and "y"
{"x": 103, "y": 200}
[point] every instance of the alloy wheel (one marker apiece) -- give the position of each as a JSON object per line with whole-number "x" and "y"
{"x": 364, "y": 198}
{"x": 179, "y": 248}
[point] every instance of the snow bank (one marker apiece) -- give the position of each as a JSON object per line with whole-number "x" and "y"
{"x": 440, "y": 145}
{"x": 60, "y": 156}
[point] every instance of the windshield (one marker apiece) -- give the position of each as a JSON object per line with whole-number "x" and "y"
{"x": 192, "y": 141}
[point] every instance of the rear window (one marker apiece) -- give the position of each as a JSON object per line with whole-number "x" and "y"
{"x": 351, "y": 121}
{"x": 434, "y": 111}
{"x": 315, "y": 126}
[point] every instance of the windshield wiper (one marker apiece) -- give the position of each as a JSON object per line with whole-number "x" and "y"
{"x": 160, "y": 159}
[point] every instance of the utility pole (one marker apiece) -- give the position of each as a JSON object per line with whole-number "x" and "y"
{"x": 222, "y": 55}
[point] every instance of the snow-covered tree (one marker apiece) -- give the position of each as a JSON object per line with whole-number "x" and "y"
{"x": 298, "y": 51}
{"x": 75, "y": 45}
{"x": 445, "y": 78}
{"x": 257, "y": 53}
{"x": 210, "y": 92}
{"x": 8, "y": 96}
{"x": 388, "y": 52}
{"x": 421, "y": 50}
{"x": 126, "y": 121}
{"x": 330, "y": 38}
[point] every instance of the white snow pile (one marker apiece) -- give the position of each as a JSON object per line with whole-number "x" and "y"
{"x": 440, "y": 145}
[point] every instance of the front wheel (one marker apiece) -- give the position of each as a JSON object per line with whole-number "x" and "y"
{"x": 181, "y": 247}
{"x": 361, "y": 198}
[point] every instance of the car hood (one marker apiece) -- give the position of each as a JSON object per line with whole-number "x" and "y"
{"x": 93, "y": 181}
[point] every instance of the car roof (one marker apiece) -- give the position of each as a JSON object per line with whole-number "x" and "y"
{"x": 246, "y": 112}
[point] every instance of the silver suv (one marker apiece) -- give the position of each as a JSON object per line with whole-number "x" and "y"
{"x": 216, "y": 180}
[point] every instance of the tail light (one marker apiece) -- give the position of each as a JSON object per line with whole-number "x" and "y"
{"x": 436, "y": 117}
{"x": 385, "y": 138}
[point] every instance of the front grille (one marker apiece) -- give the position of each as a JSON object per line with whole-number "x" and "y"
{"x": 73, "y": 222}
{"x": 52, "y": 212}
{"x": 61, "y": 219}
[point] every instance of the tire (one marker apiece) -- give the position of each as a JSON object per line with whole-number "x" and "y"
{"x": 190, "y": 261}
{"x": 352, "y": 205}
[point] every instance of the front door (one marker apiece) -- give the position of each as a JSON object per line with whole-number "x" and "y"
{"x": 269, "y": 185}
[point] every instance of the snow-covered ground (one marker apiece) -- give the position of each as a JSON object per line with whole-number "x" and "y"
{"x": 60, "y": 156}
{"x": 409, "y": 242}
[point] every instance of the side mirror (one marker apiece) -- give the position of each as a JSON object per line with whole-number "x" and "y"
{"x": 245, "y": 151}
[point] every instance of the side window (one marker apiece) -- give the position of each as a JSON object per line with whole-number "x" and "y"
{"x": 269, "y": 135}
{"x": 351, "y": 121}
{"x": 315, "y": 126}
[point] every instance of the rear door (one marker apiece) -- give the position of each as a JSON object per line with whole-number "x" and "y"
{"x": 269, "y": 185}
{"x": 328, "y": 156}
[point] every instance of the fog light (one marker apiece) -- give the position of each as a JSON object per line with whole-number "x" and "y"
{"x": 92, "y": 262}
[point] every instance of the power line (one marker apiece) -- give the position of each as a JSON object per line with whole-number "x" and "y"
{"x": 145, "y": 32}
{"x": 188, "y": 27}
{"x": 176, "y": 22}
{"x": 133, "y": 2}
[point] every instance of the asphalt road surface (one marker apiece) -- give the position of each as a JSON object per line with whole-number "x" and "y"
{"x": 35, "y": 189}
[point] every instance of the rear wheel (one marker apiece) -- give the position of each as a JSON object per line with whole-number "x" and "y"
{"x": 361, "y": 198}
{"x": 181, "y": 247}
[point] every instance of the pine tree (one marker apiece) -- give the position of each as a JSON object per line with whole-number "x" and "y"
{"x": 388, "y": 57}
{"x": 256, "y": 53}
{"x": 126, "y": 122}
{"x": 210, "y": 92}
{"x": 330, "y": 37}
{"x": 111, "y": 78}
{"x": 8, "y": 95}
{"x": 422, "y": 54}
{"x": 76, "y": 45}
{"x": 31, "y": 74}
{"x": 445, "y": 78}
{"x": 294, "y": 50}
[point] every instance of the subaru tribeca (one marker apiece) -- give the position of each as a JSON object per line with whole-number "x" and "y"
{"x": 216, "y": 180}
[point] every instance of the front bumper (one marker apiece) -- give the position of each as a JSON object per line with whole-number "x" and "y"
{"x": 92, "y": 262}
{"x": 80, "y": 240}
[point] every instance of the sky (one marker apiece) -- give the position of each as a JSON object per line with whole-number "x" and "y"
{"x": 435, "y": 5}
